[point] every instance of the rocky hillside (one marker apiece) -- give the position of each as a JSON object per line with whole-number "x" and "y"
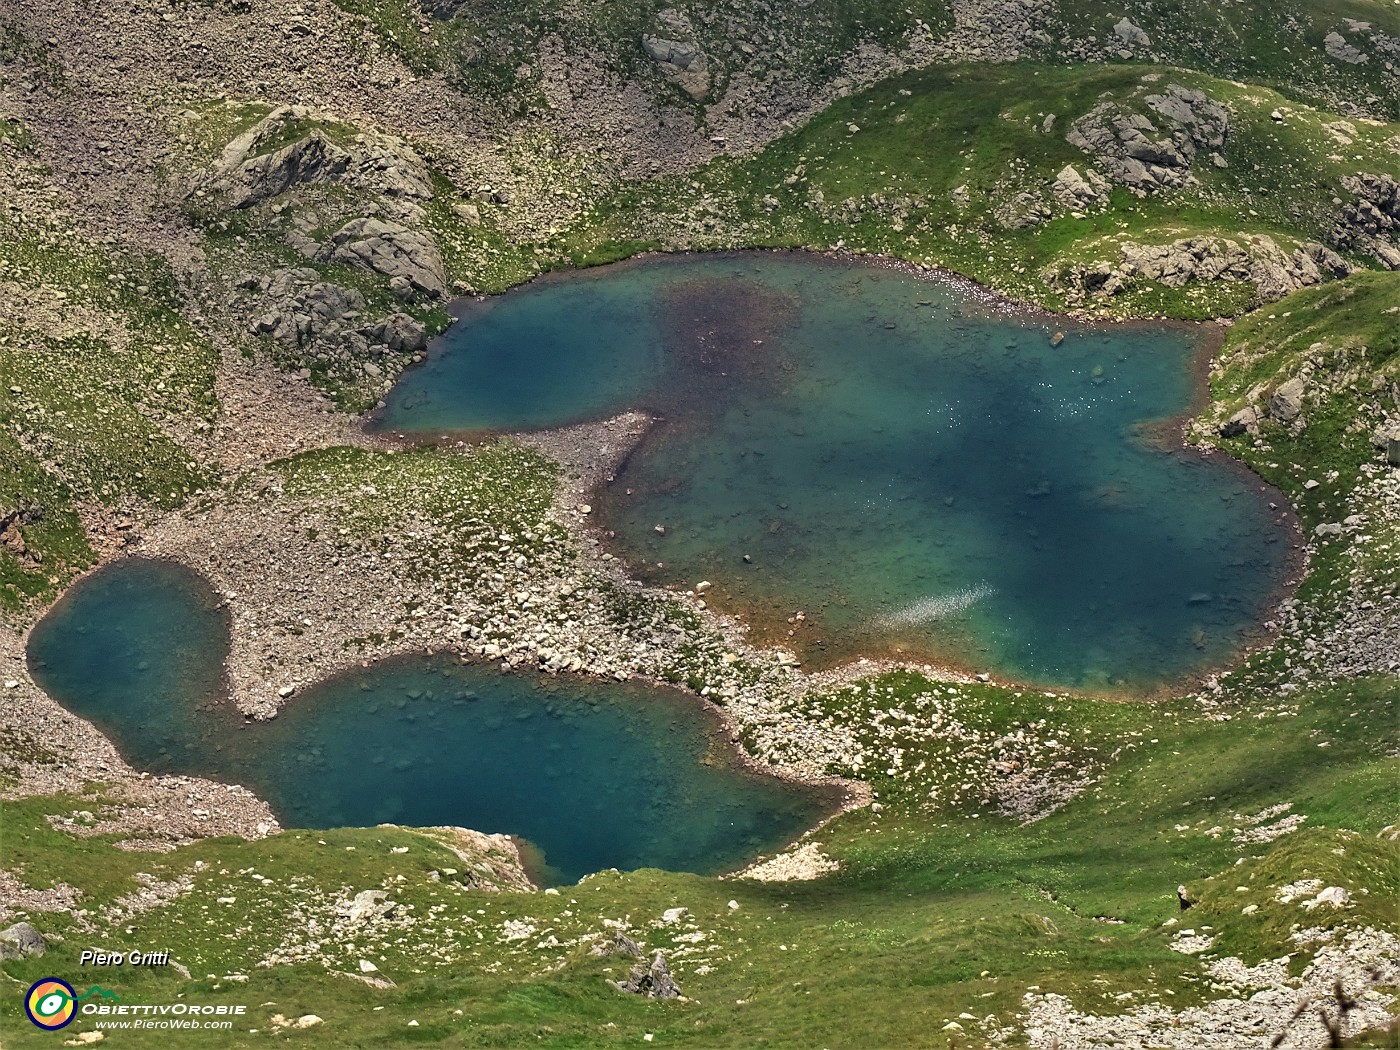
{"x": 1113, "y": 189}
{"x": 224, "y": 223}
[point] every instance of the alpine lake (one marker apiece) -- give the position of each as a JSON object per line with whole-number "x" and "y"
{"x": 866, "y": 463}
{"x": 863, "y": 462}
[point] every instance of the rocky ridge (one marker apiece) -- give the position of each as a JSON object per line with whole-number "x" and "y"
{"x": 1258, "y": 260}
{"x": 252, "y": 168}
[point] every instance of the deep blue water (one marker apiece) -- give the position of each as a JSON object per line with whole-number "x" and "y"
{"x": 594, "y": 774}
{"x": 913, "y": 470}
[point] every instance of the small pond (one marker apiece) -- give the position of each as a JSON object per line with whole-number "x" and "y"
{"x": 595, "y": 774}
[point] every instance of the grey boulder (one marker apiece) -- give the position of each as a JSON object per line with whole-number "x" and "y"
{"x": 1244, "y": 420}
{"x": 389, "y": 249}
{"x": 1336, "y": 46}
{"x": 677, "y": 53}
{"x": 1151, "y": 155}
{"x": 654, "y": 981}
{"x": 20, "y": 941}
{"x": 1287, "y": 403}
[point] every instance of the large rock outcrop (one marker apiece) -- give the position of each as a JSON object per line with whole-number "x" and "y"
{"x": 323, "y": 326}
{"x": 676, "y": 50}
{"x": 1259, "y": 260}
{"x": 1152, "y": 153}
{"x": 252, "y": 169}
{"x": 389, "y": 249}
{"x": 1370, "y": 222}
{"x": 654, "y": 981}
{"x": 21, "y": 941}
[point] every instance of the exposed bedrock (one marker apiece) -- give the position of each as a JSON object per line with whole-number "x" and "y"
{"x": 327, "y": 325}
{"x": 253, "y": 169}
{"x": 1152, "y": 153}
{"x": 1273, "y": 270}
{"x": 1370, "y": 221}
{"x": 389, "y": 249}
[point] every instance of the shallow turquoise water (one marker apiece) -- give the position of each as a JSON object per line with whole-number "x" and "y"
{"x": 593, "y": 774}
{"x": 912, "y": 469}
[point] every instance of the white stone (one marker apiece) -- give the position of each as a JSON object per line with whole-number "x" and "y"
{"x": 1333, "y": 896}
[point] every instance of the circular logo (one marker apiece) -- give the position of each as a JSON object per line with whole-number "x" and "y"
{"x": 49, "y": 1003}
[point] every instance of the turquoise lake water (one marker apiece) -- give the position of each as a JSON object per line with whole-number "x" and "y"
{"x": 594, "y": 774}
{"x": 913, "y": 468}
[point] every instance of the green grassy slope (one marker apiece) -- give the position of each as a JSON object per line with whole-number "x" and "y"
{"x": 923, "y": 167}
{"x": 101, "y": 381}
{"x": 945, "y": 910}
{"x": 1280, "y": 43}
